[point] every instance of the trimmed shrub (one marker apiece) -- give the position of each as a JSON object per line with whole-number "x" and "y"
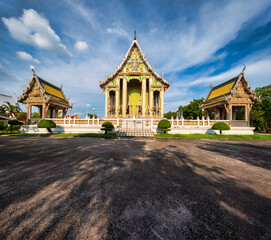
{"x": 47, "y": 124}
{"x": 221, "y": 126}
{"x": 164, "y": 125}
{"x": 14, "y": 124}
{"x": 3, "y": 125}
{"x": 107, "y": 126}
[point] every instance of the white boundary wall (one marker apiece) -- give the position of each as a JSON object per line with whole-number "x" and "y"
{"x": 181, "y": 126}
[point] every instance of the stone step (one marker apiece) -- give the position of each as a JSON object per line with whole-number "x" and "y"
{"x": 136, "y": 133}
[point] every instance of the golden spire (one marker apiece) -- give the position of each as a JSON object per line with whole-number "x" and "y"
{"x": 135, "y": 34}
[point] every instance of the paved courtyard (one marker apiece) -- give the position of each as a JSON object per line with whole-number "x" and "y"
{"x": 88, "y": 188}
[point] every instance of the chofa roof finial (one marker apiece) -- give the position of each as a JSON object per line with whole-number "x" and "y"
{"x": 244, "y": 68}
{"x": 135, "y": 34}
{"x": 33, "y": 70}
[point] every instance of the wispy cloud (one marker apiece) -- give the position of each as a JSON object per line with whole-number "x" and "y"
{"x": 34, "y": 29}
{"x": 27, "y": 57}
{"x": 215, "y": 25}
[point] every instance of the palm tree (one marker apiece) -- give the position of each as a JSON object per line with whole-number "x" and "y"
{"x": 11, "y": 109}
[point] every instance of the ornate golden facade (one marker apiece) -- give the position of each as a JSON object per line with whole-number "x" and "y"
{"x": 231, "y": 100}
{"x": 46, "y": 96}
{"x": 134, "y": 89}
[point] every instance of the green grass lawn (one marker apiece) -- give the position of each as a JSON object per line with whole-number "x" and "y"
{"x": 97, "y": 135}
{"x": 207, "y": 136}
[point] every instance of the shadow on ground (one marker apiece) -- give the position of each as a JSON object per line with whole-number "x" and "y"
{"x": 124, "y": 189}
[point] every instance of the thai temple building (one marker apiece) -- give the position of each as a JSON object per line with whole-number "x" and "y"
{"x": 134, "y": 89}
{"x": 231, "y": 100}
{"x": 49, "y": 99}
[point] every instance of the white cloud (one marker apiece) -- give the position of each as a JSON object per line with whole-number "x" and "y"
{"x": 34, "y": 29}
{"x": 118, "y": 31}
{"x": 257, "y": 73}
{"x": 194, "y": 41}
{"x": 26, "y": 56}
{"x": 81, "y": 46}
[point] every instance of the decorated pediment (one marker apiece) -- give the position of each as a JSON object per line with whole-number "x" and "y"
{"x": 134, "y": 64}
{"x": 35, "y": 94}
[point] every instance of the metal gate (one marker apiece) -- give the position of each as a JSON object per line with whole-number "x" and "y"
{"x": 136, "y": 124}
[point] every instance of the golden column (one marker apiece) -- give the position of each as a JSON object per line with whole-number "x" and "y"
{"x": 106, "y": 103}
{"x": 117, "y": 100}
{"x": 151, "y": 100}
{"x": 162, "y": 102}
{"x": 124, "y": 97}
{"x": 143, "y": 92}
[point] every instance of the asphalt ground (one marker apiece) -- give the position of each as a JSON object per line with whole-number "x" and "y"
{"x": 91, "y": 188}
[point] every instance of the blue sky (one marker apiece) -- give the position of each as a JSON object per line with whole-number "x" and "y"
{"x": 76, "y": 43}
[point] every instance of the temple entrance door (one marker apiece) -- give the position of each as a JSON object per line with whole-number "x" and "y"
{"x": 134, "y": 96}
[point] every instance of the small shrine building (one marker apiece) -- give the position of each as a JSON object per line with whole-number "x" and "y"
{"x": 134, "y": 89}
{"x": 231, "y": 100}
{"x": 49, "y": 98}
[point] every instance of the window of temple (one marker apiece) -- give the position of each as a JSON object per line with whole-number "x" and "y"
{"x": 238, "y": 113}
{"x": 112, "y": 102}
{"x": 156, "y": 102}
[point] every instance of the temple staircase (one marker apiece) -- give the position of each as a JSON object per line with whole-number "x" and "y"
{"x": 134, "y": 133}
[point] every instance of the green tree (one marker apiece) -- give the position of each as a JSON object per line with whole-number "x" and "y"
{"x": 11, "y": 109}
{"x": 260, "y": 115}
{"x": 192, "y": 111}
{"x": 90, "y": 115}
{"x": 170, "y": 114}
{"x": 164, "y": 125}
{"x": 35, "y": 115}
{"x": 107, "y": 127}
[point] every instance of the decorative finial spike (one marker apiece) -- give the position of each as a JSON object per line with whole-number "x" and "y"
{"x": 33, "y": 70}
{"x": 210, "y": 84}
{"x": 244, "y": 68}
{"x": 135, "y": 34}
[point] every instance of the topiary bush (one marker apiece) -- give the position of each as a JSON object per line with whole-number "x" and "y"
{"x": 47, "y": 124}
{"x": 164, "y": 125}
{"x": 14, "y": 124}
{"x": 107, "y": 126}
{"x": 221, "y": 126}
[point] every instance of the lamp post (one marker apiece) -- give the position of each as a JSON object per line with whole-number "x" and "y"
{"x": 93, "y": 112}
{"x": 177, "y": 113}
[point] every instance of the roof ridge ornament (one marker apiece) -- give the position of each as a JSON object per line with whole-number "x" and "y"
{"x": 33, "y": 70}
{"x": 244, "y": 68}
{"x": 135, "y": 34}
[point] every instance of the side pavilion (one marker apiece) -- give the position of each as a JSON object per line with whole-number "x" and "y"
{"x": 49, "y": 98}
{"x": 231, "y": 100}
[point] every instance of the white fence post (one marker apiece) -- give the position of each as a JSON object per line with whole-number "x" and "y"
{"x": 208, "y": 119}
{"x": 98, "y": 121}
{"x": 198, "y": 120}
{"x": 203, "y": 121}
{"x": 177, "y": 119}
{"x": 182, "y": 122}
{"x": 172, "y": 121}
{"x": 118, "y": 122}
{"x": 93, "y": 120}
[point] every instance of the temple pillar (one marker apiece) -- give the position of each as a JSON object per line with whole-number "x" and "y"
{"x": 162, "y": 102}
{"x": 28, "y": 111}
{"x": 106, "y": 103}
{"x": 124, "y": 97}
{"x": 151, "y": 101}
{"x": 143, "y": 92}
{"x": 117, "y": 101}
